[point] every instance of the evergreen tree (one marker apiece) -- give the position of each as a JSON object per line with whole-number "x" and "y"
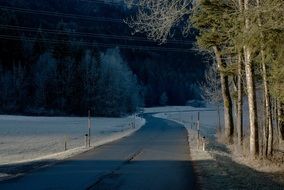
{"x": 163, "y": 99}
{"x": 40, "y": 44}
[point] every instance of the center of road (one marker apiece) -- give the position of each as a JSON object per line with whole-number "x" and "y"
{"x": 154, "y": 157}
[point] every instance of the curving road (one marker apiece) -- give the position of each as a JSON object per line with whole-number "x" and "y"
{"x": 156, "y": 157}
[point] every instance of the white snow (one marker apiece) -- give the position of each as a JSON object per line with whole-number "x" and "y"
{"x": 25, "y": 139}
{"x": 174, "y": 109}
{"x": 188, "y": 117}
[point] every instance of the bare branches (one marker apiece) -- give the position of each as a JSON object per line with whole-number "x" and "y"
{"x": 158, "y": 18}
{"x": 211, "y": 88}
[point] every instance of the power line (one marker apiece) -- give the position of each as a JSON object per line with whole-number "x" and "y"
{"x": 58, "y": 14}
{"x": 106, "y": 2}
{"x": 106, "y": 36}
{"x": 49, "y": 13}
{"x": 32, "y": 39}
{"x": 110, "y": 2}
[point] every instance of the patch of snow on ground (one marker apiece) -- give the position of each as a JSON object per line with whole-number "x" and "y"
{"x": 173, "y": 109}
{"x": 24, "y": 139}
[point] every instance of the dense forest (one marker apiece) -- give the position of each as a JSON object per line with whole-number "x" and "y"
{"x": 65, "y": 57}
{"x": 245, "y": 41}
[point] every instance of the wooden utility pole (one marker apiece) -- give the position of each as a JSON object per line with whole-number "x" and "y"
{"x": 191, "y": 121}
{"x": 198, "y": 125}
{"x": 89, "y": 127}
{"x": 65, "y": 143}
{"x": 134, "y": 122}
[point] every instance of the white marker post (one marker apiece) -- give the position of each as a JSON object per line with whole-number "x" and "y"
{"x": 203, "y": 143}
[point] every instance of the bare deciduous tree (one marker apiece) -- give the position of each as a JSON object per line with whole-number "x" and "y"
{"x": 211, "y": 88}
{"x": 158, "y": 18}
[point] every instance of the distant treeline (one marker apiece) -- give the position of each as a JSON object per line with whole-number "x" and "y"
{"x": 45, "y": 72}
{"x": 70, "y": 83}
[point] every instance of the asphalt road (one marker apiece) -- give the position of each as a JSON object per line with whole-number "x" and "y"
{"x": 156, "y": 157}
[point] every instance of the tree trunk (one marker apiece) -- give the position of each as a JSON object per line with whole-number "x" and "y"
{"x": 275, "y": 116}
{"x": 267, "y": 102}
{"x": 254, "y": 149}
{"x": 254, "y": 144}
{"x": 228, "y": 111}
{"x": 240, "y": 101}
{"x": 268, "y": 116}
{"x": 235, "y": 98}
{"x": 219, "y": 119}
{"x": 280, "y": 120}
{"x": 265, "y": 129}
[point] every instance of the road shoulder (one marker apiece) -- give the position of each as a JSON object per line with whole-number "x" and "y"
{"x": 215, "y": 167}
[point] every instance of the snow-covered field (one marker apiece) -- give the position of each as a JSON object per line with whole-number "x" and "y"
{"x": 25, "y": 138}
{"x": 175, "y": 109}
{"x": 188, "y": 115}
